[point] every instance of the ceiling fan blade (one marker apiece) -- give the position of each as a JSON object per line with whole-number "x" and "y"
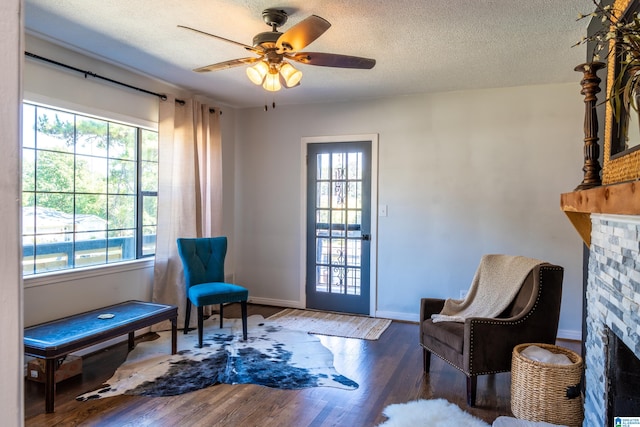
{"x": 333, "y": 60}
{"x": 227, "y": 64}
{"x": 302, "y": 34}
{"x": 257, "y": 50}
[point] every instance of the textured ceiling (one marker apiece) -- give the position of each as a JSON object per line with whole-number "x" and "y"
{"x": 420, "y": 45}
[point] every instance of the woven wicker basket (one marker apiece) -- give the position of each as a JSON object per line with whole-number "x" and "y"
{"x": 544, "y": 391}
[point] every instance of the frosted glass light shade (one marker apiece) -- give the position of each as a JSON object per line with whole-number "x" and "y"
{"x": 290, "y": 75}
{"x": 272, "y": 82}
{"x": 258, "y": 72}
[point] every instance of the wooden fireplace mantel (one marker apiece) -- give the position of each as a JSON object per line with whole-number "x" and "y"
{"x": 619, "y": 199}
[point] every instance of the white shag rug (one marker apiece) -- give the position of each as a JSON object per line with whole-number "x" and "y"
{"x": 429, "y": 413}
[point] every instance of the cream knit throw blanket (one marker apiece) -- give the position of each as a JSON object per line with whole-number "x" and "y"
{"x": 495, "y": 284}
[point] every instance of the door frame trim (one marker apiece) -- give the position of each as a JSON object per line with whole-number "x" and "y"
{"x": 373, "y": 254}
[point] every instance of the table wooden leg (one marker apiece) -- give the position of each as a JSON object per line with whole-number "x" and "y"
{"x": 131, "y": 340}
{"x": 50, "y": 384}
{"x": 174, "y": 335}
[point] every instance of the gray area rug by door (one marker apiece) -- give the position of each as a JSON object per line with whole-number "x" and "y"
{"x": 272, "y": 356}
{"x": 331, "y": 324}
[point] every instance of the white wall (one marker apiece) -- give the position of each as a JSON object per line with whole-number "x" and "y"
{"x": 11, "y": 350}
{"x": 58, "y": 295}
{"x": 462, "y": 173}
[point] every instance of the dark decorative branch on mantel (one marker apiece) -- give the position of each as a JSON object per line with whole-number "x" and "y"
{"x": 590, "y": 88}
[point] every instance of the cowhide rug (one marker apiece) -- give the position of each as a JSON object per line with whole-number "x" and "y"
{"x": 272, "y": 356}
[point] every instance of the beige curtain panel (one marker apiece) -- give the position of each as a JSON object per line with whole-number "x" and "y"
{"x": 189, "y": 191}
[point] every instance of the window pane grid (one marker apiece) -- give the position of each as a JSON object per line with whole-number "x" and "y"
{"x": 81, "y": 191}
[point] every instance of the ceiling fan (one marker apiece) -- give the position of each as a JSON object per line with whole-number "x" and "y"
{"x": 275, "y": 50}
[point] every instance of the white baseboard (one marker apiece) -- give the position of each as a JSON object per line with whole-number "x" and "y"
{"x": 404, "y": 317}
{"x": 276, "y": 302}
{"x": 569, "y": 334}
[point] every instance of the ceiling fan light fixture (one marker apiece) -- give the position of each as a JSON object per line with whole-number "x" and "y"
{"x": 290, "y": 74}
{"x": 258, "y": 72}
{"x": 272, "y": 81}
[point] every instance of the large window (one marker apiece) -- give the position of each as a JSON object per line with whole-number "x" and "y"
{"x": 89, "y": 190}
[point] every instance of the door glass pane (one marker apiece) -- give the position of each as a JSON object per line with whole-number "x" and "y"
{"x": 337, "y": 252}
{"x": 322, "y": 251}
{"x": 324, "y": 167}
{"x": 322, "y": 278}
{"x": 338, "y": 200}
{"x": 354, "y": 219}
{"x": 322, "y": 222}
{"x": 355, "y": 166}
{"x": 338, "y": 166}
{"x": 354, "y": 200}
{"x": 338, "y": 223}
{"x": 323, "y": 193}
{"x": 353, "y": 281}
{"x": 337, "y": 280}
{"x": 354, "y": 248}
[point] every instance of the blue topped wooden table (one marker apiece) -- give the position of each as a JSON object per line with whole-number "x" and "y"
{"x": 53, "y": 340}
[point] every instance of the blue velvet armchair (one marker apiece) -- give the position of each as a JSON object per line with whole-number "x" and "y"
{"x": 203, "y": 264}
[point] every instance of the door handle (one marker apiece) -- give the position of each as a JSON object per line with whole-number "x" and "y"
{"x": 366, "y": 237}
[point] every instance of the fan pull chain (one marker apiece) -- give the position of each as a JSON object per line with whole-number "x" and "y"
{"x": 273, "y": 106}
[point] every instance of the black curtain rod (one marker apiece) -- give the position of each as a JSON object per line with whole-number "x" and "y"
{"x": 89, "y": 73}
{"x": 97, "y": 76}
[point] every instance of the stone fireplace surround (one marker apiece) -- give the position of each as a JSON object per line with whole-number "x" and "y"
{"x": 608, "y": 220}
{"x": 613, "y": 300}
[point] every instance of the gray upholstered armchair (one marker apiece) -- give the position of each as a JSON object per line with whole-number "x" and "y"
{"x": 482, "y": 346}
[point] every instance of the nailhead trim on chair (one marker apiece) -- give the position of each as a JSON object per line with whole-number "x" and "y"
{"x": 535, "y": 306}
{"x": 445, "y": 359}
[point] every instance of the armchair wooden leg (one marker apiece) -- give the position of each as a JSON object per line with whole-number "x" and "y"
{"x": 187, "y": 316}
{"x": 472, "y": 382}
{"x": 200, "y": 325}
{"x": 243, "y": 305}
{"x": 221, "y": 315}
{"x": 426, "y": 360}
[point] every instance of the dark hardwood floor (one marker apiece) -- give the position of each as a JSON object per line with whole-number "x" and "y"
{"x": 388, "y": 371}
